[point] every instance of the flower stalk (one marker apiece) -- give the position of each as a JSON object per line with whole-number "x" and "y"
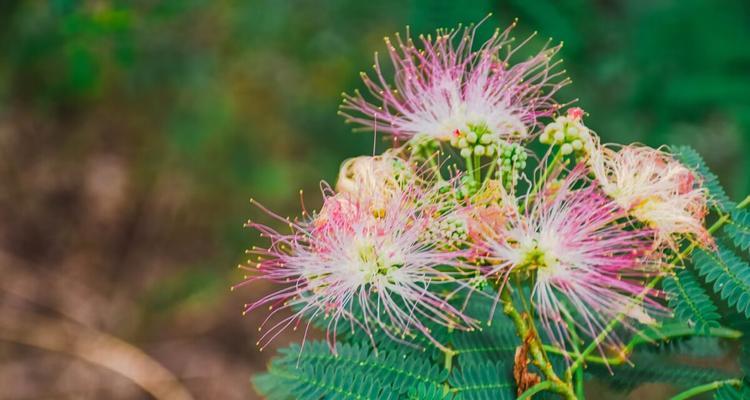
{"x": 539, "y": 359}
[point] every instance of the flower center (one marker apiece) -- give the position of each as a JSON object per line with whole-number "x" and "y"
{"x": 373, "y": 263}
{"x": 535, "y": 257}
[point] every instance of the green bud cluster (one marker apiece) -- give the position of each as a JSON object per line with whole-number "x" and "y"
{"x": 477, "y": 141}
{"x": 450, "y": 232}
{"x": 478, "y": 282}
{"x": 467, "y": 187}
{"x": 423, "y": 146}
{"x": 402, "y": 172}
{"x": 511, "y": 161}
{"x": 567, "y": 132}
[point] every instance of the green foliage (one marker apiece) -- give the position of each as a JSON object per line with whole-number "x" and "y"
{"x": 732, "y": 393}
{"x": 480, "y": 368}
{"x": 650, "y": 368}
{"x": 690, "y": 346}
{"x": 429, "y": 392}
{"x": 693, "y": 160}
{"x": 690, "y": 302}
{"x": 355, "y": 371}
{"x": 739, "y": 229}
{"x": 333, "y": 382}
{"x": 483, "y": 381}
{"x": 729, "y": 274}
{"x": 497, "y": 343}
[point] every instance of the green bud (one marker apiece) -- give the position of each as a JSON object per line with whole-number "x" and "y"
{"x": 566, "y": 149}
{"x": 573, "y": 132}
{"x": 559, "y": 136}
{"x": 465, "y": 152}
{"x": 479, "y": 150}
{"x": 544, "y": 138}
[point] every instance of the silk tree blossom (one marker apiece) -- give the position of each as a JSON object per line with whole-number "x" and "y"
{"x": 365, "y": 270}
{"x": 586, "y": 261}
{"x": 445, "y": 89}
{"x": 375, "y": 177}
{"x": 569, "y": 132}
{"x": 655, "y": 188}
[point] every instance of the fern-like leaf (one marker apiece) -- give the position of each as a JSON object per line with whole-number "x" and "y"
{"x": 483, "y": 381}
{"x": 690, "y": 302}
{"x": 496, "y": 342}
{"x": 429, "y": 392}
{"x": 272, "y": 386}
{"x": 729, "y": 274}
{"x": 732, "y": 393}
{"x": 692, "y": 346}
{"x": 739, "y": 229}
{"x": 648, "y": 368}
{"x": 298, "y": 372}
{"x": 694, "y": 161}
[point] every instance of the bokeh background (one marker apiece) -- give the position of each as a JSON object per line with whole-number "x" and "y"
{"x": 133, "y": 134}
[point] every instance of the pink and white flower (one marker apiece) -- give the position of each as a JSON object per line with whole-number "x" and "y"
{"x": 444, "y": 87}
{"x": 586, "y": 261}
{"x": 375, "y": 177}
{"x": 655, "y": 188}
{"x": 362, "y": 269}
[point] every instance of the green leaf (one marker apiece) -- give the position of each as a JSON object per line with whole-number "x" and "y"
{"x": 496, "y": 342}
{"x": 694, "y": 161}
{"x": 729, "y": 274}
{"x": 739, "y": 229}
{"x": 732, "y": 393}
{"x": 690, "y": 302}
{"x": 312, "y": 382}
{"x": 272, "y": 387}
{"x": 483, "y": 381}
{"x": 302, "y": 371}
{"x": 655, "y": 368}
{"x": 680, "y": 338}
{"x": 429, "y": 392}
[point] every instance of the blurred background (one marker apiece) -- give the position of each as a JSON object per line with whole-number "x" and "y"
{"x": 133, "y": 134}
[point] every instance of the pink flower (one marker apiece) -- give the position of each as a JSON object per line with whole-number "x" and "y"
{"x": 447, "y": 88}
{"x": 586, "y": 261}
{"x": 655, "y": 188}
{"x": 364, "y": 262}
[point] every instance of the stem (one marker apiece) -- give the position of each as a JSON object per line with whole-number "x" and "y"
{"x": 611, "y": 326}
{"x": 546, "y": 385}
{"x": 478, "y": 169}
{"x": 490, "y": 170}
{"x": 469, "y": 166}
{"x": 550, "y": 167}
{"x": 694, "y": 391}
{"x": 574, "y": 341}
{"x": 643, "y": 337}
{"x": 435, "y": 168}
{"x": 448, "y": 362}
{"x": 579, "y": 384}
{"x": 535, "y": 348}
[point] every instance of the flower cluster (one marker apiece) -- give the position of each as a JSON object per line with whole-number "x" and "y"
{"x": 401, "y": 241}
